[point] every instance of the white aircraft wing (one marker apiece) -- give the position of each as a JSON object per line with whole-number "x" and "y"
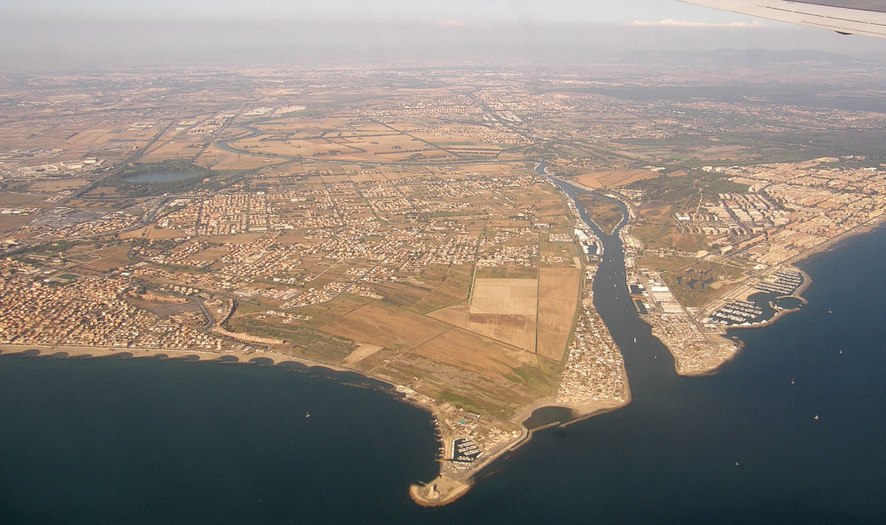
{"x": 857, "y": 17}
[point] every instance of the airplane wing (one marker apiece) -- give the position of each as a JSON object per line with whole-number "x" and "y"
{"x": 856, "y": 17}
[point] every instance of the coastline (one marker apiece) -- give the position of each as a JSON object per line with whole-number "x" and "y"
{"x": 723, "y": 335}
{"x": 248, "y": 358}
{"x": 829, "y": 244}
{"x": 444, "y": 489}
{"x": 684, "y": 371}
{"x": 451, "y": 488}
{"x": 794, "y": 263}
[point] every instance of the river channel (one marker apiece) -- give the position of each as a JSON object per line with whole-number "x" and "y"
{"x": 791, "y": 431}
{"x": 649, "y": 365}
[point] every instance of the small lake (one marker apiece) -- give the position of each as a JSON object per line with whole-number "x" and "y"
{"x": 156, "y": 176}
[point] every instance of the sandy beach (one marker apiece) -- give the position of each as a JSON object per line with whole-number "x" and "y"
{"x": 259, "y": 357}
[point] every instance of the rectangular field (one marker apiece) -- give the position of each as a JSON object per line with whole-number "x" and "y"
{"x": 558, "y": 292}
{"x": 516, "y": 330}
{"x": 504, "y": 296}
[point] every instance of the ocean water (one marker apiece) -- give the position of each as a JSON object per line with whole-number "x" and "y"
{"x": 150, "y": 441}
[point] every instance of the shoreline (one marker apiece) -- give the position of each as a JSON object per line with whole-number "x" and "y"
{"x": 726, "y": 335}
{"x": 444, "y": 489}
{"x": 682, "y": 371}
{"x": 861, "y": 229}
{"x": 794, "y": 263}
{"x": 242, "y": 358}
{"x": 454, "y": 488}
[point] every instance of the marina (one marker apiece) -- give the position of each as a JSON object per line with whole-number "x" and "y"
{"x": 782, "y": 282}
{"x": 778, "y": 294}
{"x": 678, "y": 436}
{"x": 736, "y": 313}
{"x": 465, "y": 450}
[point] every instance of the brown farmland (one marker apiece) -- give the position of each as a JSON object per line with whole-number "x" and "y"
{"x": 558, "y": 291}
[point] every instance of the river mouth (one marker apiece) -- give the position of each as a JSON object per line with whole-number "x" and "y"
{"x": 156, "y": 177}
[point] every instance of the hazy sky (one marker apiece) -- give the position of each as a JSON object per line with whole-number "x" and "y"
{"x": 467, "y": 11}
{"x": 37, "y": 34}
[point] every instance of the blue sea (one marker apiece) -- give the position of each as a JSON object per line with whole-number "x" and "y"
{"x": 792, "y": 431}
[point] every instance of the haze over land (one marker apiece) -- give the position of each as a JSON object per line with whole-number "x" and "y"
{"x": 428, "y": 196}
{"x": 108, "y": 35}
{"x": 399, "y": 222}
